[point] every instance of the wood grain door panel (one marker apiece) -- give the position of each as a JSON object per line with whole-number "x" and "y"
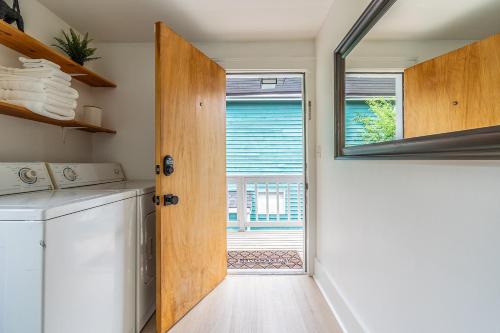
{"x": 191, "y": 127}
{"x": 456, "y": 91}
{"x": 430, "y": 90}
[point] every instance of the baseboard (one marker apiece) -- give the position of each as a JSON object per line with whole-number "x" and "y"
{"x": 342, "y": 312}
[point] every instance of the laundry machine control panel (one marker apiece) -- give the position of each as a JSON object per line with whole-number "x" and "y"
{"x": 24, "y": 177}
{"x": 68, "y": 175}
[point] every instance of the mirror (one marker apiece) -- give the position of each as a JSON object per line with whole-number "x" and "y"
{"x": 420, "y": 78}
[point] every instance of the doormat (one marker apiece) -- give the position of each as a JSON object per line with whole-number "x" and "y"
{"x": 267, "y": 259}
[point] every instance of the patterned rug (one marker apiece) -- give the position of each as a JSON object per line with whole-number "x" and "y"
{"x": 267, "y": 259}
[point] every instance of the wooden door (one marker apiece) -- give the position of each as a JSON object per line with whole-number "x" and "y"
{"x": 455, "y": 91}
{"x": 190, "y": 127}
{"x": 429, "y": 91}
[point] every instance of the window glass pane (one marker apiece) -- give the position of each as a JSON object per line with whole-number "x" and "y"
{"x": 374, "y": 108}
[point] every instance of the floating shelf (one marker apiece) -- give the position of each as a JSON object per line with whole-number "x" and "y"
{"x": 21, "y": 112}
{"x": 17, "y": 40}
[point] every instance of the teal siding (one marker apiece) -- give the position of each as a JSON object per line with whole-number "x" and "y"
{"x": 354, "y": 130}
{"x": 264, "y": 137}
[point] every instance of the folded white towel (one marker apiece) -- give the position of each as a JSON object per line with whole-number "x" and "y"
{"x": 44, "y": 97}
{"x": 32, "y": 63}
{"x": 37, "y": 85}
{"x": 55, "y": 84}
{"x": 68, "y": 102}
{"x": 40, "y": 72}
{"x": 45, "y": 110}
{"x": 58, "y": 81}
{"x": 65, "y": 112}
{"x": 65, "y": 93}
{"x": 4, "y": 76}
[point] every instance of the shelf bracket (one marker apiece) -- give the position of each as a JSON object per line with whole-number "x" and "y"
{"x": 65, "y": 131}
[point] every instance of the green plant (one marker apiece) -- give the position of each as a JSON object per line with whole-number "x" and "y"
{"x": 382, "y": 126}
{"x": 76, "y": 46}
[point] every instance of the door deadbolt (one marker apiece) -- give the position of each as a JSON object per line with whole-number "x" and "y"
{"x": 170, "y": 199}
{"x": 168, "y": 165}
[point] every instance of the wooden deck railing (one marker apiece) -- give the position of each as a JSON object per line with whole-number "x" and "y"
{"x": 265, "y": 201}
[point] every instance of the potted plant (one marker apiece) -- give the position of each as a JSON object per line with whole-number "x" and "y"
{"x": 76, "y": 46}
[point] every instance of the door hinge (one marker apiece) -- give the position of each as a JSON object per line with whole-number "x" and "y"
{"x": 306, "y": 185}
{"x": 309, "y": 110}
{"x": 156, "y": 200}
{"x": 43, "y": 244}
{"x": 157, "y": 169}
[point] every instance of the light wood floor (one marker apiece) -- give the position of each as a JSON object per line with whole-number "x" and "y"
{"x": 266, "y": 240}
{"x": 259, "y": 304}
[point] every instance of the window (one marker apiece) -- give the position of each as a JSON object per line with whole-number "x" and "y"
{"x": 374, "y": 108}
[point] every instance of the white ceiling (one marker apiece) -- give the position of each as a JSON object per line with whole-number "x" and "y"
{"x": 196, "y": 20}
{"x": 439, "y": 20}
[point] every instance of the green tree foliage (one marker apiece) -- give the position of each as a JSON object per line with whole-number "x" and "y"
{"x": 382, "y": 126}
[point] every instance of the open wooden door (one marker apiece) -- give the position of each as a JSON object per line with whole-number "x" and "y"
{"x": 191, "y": 129}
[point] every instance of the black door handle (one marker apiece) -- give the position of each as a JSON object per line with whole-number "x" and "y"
{"x": 170, "y": 199}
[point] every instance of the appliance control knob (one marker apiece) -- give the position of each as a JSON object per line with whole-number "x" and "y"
{"x": 28, "y": 176}
{"x": 69, "y": 174}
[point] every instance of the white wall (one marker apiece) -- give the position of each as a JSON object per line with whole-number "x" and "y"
{"x": 397, "y": 54}
{"x": 403, "y": 246}
{"x": 24, "y": 140}
{"x": 129, "y": 108}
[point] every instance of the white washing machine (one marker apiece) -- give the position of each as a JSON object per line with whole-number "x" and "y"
{"x": 110, "y": 176}
{"x": 64, "y": 255}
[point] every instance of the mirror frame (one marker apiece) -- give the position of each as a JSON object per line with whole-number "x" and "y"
{"x": 480, "y": 143}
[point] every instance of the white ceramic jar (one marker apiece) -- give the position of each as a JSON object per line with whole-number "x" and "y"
{"x": 92, "y": 115}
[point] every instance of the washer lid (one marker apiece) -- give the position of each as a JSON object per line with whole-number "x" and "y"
{"x": 140, "y": 186}
{"x": 45, "y": 205}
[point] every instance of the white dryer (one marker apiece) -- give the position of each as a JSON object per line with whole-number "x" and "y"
{"x": 64, "y": 255}
{"x": 110, "y": 176}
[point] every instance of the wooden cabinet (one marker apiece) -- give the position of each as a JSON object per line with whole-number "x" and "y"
{"x": 456, "y": 91}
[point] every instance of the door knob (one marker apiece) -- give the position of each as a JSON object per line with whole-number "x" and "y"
{"x": 168, "y": 165}
{"x": 170, "y": 199}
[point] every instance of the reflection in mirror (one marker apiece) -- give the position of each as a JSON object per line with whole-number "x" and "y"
{"x": 373, "y": 107}
{"x": 426, "y": 67}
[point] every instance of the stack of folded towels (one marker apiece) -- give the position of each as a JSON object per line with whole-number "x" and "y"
{"x": 41, "y": 87}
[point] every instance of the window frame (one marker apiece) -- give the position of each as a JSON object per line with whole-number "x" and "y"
{"x": 480, "y": 143}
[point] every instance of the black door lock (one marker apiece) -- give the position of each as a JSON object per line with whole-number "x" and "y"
{"x": 170, "y": 199}
{"x": 168, "y": 165}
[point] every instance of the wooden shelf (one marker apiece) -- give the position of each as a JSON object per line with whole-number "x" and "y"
{"x": 17, "y": 40}
{"x": 21, "y": 112}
